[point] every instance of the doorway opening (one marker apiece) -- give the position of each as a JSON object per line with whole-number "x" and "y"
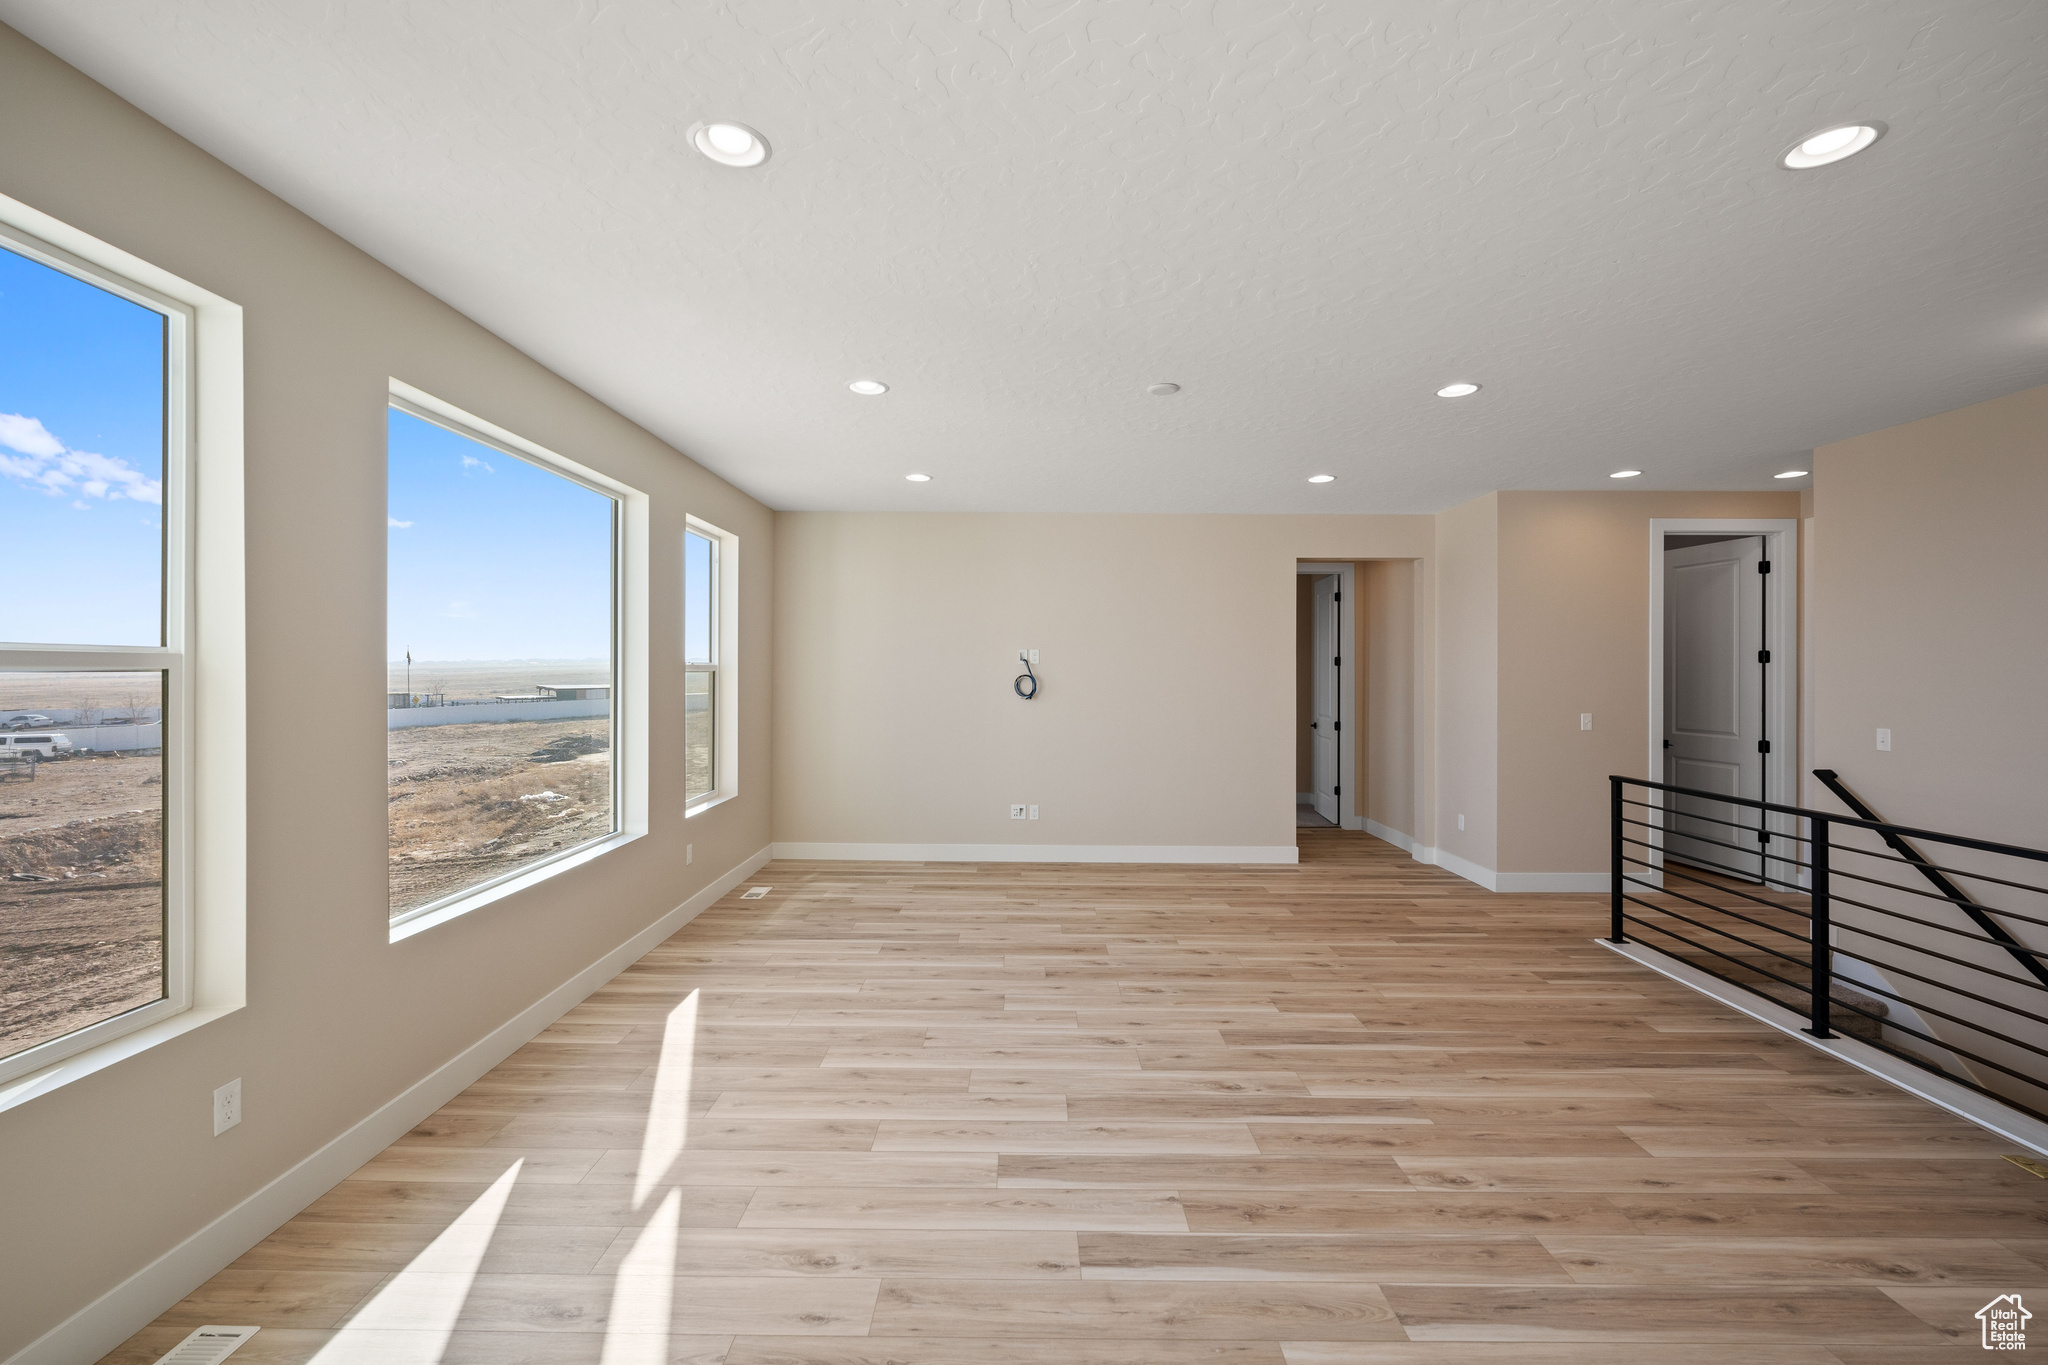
{"x": 1722, "y": 687}
{"x": 1320, "y": 605}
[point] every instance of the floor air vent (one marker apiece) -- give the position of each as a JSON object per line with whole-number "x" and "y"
{"x": 208, "y": 1346}
{"x": 754, "y": 893}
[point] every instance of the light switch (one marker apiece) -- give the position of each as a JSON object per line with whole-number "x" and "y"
{"x": 1884, "y": 741}
{"x": 1461, "y": 822}
{"x": 1585, "y": 720}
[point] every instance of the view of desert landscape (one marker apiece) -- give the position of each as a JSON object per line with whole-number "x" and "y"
{"x": 473, "y": 802}
{"x": 81, "y": 893}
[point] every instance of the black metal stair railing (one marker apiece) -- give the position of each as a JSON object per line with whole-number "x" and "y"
{"x": 1847, "y": 920}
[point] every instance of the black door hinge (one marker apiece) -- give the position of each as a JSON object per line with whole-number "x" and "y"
{"x": 1763, "y": 656}
{"x": 1336, "y": 597}
{"x": 1337, "y": 662}
{"x": 1336, "y": 791}
{"x": 1763, "y": 746}
{"x": 1763, "y": 566}
{"x": 1336, "y": 725}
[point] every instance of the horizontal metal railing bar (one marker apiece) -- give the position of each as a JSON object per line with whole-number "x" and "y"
{"x": 1837, "y": 1002}
{"x": 1687, "y": 919}
{"x": 1802, "y": 988}
{"x": 1671, "y": 868}
{"x": 1938, "y": 867}
{"x": 1753, "y": 851}
{"x": 1710, "y": 819}
{"x": 1844, "y": 821}
{"x": 2027, "y": 981}
{"x": 1709, "y": 905}
{"x": 1926, "y": 1008}
{"x": 1945, "y": 900}
{"x": 1789, "y": 835}
{"x": 1886, "y": 1021}
{"x": 2002, "y": 946}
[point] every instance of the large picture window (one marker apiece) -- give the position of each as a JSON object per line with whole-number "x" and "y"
{"x": 503, "y": 647}
{"x": 94, "y": 783}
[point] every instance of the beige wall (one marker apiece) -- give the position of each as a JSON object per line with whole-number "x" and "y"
{"x": 1574, "y": 637}
{"x": 1387, "y": 591}
{"x": 1304, "y": 683}
{"x": 1468, "y": 680}
{"x": 103, "y": 1175}
{"x": 1168, "y": 658}
{"x": 1930, "y": 618}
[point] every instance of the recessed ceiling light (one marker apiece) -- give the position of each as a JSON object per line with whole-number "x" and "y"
{"x": 730, "y": 144}
{"x": 1461, "y": 389}
{"x": 918, "y": 478}
{"x": 1162, "y": 390}
{"x": 1830, "y": 145}
{"x": 1322, "y": 478}
{"x": 1624, "y": 473}
{"x": 1791, "y": 474}
{"x": 868, "y": 388}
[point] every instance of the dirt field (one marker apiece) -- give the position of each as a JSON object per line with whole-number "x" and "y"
{"x": 473, "y": 802}
{"x": 81, "y": 895}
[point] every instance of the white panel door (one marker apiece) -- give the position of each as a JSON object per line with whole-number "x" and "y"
{"x": 1327, "y": 692}
{"x": 1713, "y": 699}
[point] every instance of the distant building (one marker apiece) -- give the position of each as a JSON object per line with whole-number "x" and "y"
{"x": 579, "y": 692}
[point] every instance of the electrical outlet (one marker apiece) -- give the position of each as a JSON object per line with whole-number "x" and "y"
{"x": 1585, "y": 720}
{"x": 227, "y": 1106}
{"x": 1884, "y": 741}
{"x": 1034, "y": 812}
{"x": 1016, "y": 812}
{"x": 1461, "y": 822}
{"x": 689, "y": 854}
{"x": 1034, "y": 656}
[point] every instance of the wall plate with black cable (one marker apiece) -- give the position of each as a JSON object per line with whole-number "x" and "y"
{"x": 1026, "y": 685}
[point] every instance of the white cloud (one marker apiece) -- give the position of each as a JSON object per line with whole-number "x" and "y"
{"x": 401, "y": 525}
{"x": 472, "y": 462}
{"x": 28, "y": 436}
{"x": 46, "y": 463}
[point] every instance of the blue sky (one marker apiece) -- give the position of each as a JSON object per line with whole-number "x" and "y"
{"x": 81, "y": 461}
{"x": 697, "y": 551}
{"x": 492, "y": 557}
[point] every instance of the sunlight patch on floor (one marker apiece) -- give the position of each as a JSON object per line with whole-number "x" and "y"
{"x": 425, "y": 1299}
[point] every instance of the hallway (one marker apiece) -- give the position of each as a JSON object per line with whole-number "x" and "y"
{"x": 1355, "y": 1112}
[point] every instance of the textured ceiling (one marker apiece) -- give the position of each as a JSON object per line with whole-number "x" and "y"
{"x": 1019, "y": 213}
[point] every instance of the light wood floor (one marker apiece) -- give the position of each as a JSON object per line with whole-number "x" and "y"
{"x": 1356, "y": 1112}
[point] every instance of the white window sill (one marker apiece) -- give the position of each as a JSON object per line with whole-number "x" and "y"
{"x": 426, "y": 919}
{"x": 715, "y": 799}
{"x": 83, "y": 1064}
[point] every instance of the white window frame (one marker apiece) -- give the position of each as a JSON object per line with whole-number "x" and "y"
{"x": 204, "y": 787}
{"x": 725, "y": 635}
{"x": 629, "y": 660}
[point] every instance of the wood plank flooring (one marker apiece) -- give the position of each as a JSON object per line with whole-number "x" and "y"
{"x": 1355, "y": 1112}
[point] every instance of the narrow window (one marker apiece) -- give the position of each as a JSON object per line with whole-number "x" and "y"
{"x": 700, "y": 666}
{"x": 94, "y": 865}
{"x": 503, "y": 648}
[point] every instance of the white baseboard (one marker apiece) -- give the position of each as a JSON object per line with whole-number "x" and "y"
{"x": 1041, "y": 853}
{"x": 1466, "y": 868}
{"x": 132, "y": 1304}
{"x": 1388, "y": 834}
{"x": 1518, "y": 883}
{"x": 1960, "y": 1100}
